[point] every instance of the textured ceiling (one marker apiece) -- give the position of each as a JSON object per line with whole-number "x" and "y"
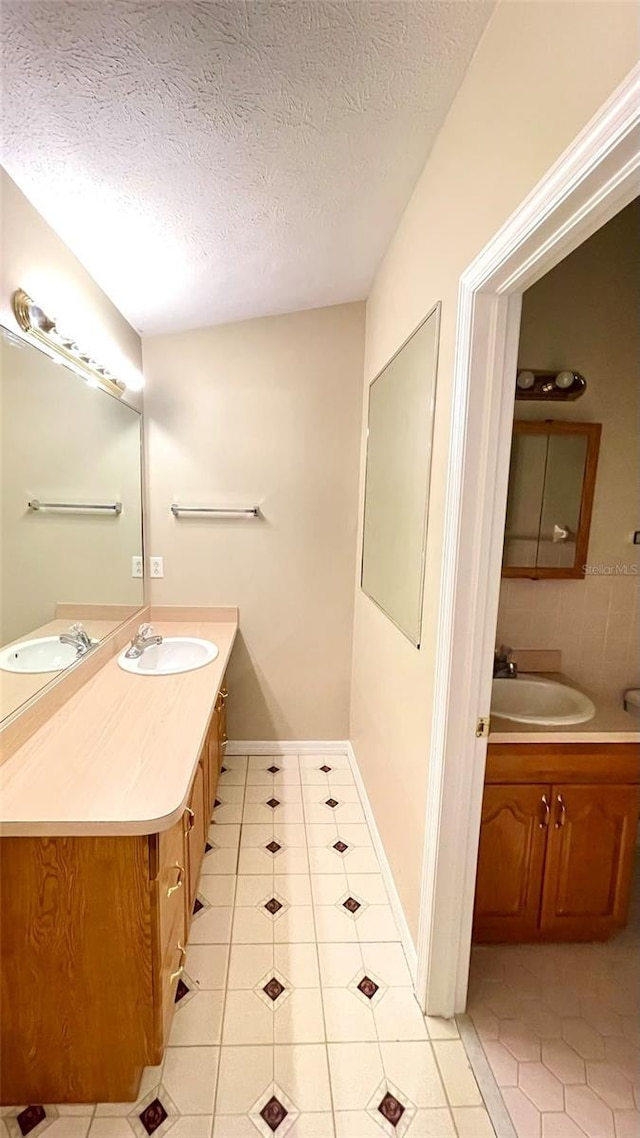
{"x": 214, "y": 161}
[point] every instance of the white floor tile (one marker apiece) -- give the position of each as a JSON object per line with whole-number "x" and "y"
{"x": 295, "y": 926}
{"x": 283, "y": 791}
{"x": 150, "y": 1079}
{"x": 245, "y": 1074}
{"x": 69, "y": 1127}
{"x": 398, "y": 1016}
{"x": 252, "y": 926}
{"x": 233, "y": 1126}
{"x": 361, "y": 859}
{"x": 328, "y": 888}
{"x": 219, "y": 889}
{"x": 256, "y": 861}
{"x": 298, "y": 963}
{"x": 256, "y": 836}
{"x": 293, "y": 861}
{"x": 473, "y": 1122}
{"x": 299, "y": 1019}
{"x": 412, "y": 1068}
{"x": 347, "y": 1018}
{"x": 458, "y": 1078}
{"x": 206, "y": 964}
{"x": 213, "y": 926}
{"x": 316, "y": 1125}
{"x": 295, "y": 888}
{"x": 339, "y": 964}
{"x": 334, "y": 926}
{"x": 377, "y": 923}
{"x": 225, "y": 837}
{"x": 223, "y": 861}
{"x": 356, "y": 1073}
{"x": 292, "y": 835}
{"x": 110, "y": 1128}
{"x": 254, "y": 888}
{"x": 434, "y": 1123}
{"x": 368, "y": 885}
{"x": 303, "y": 1074}
{"x": 228, "y": 813}
{"x": 286, "y": 812}
{"x": 247, "y": 1020}
{"x": 324, "y": 860}
{"x": 355, "y": 835}
{"x": 190, "y": 1076}
{"x": 387, "y": 960}
{"x": 320, "y": 835}
{"x": 248, "y": 963}
{"x": 192, "y": 1126}
{"x": 197, "y": 1020}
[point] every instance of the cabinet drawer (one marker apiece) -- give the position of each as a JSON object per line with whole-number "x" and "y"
{"x": 172, "y": 887}
{"x": 170, "y": 972}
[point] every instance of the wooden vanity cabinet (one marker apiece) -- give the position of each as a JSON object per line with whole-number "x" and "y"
{"x": 215, "y": 745}
{"x": 556, "y": 846}
{"x": 93, "y": 942}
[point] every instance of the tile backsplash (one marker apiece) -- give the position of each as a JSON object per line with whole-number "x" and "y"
{"x": 594, "y": 622}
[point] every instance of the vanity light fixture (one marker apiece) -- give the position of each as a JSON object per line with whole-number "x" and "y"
{"x": 553, "y": 385}
{"x": 44, "y": 331}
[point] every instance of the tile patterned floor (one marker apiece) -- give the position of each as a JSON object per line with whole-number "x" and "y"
{"x": 296, "y": 1013}
{"x": 560, "y": 1027}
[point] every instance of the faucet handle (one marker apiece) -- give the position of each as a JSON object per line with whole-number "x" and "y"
{"x": 76, "y": 628}
{"x": 145, "y": 630}
{"x": 505, "y": 653}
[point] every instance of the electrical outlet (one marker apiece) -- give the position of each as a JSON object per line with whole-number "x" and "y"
{"x": 136, "y": 567}
{"x": 157, "y": 566}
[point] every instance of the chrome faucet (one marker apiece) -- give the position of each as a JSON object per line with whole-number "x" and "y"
{"x": 504, "y": 665}
{"x": 144, "y": 638}
{"x": 78, "y": 637}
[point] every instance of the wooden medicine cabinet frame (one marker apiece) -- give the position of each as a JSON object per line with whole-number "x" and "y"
{"x": 592, "y": 432}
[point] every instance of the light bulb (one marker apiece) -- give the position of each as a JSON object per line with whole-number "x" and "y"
{"x": 525, "y": 380}
{"x": 564, "y": 379}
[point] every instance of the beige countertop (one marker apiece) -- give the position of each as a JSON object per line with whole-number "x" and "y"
{"x": 119, "y": 756}
{"x": 610, "y": 724}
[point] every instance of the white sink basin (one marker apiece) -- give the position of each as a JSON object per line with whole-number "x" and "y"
{"x": 175, "y": 654}
{"x": 45, "y": 654}
{"x": 529, "y": 699}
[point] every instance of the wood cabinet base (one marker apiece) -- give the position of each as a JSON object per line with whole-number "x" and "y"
{"x": 556, "y": 857}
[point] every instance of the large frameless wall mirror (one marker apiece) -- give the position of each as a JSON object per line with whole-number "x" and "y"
{"x": 399, "y": 444}
{"x": 71, "y": 518}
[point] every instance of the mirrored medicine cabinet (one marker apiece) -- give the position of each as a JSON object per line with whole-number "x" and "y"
{"x": 552, "y": 479}
{"x": 71, "y": 518}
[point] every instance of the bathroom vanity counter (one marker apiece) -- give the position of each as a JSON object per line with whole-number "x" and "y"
{"x": 119, "y": 757}
{"x": 610, "y": 724}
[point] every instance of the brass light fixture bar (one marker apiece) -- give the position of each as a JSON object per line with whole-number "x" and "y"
{"x": 550, "y": 385}
{"x": 43, "y": 330}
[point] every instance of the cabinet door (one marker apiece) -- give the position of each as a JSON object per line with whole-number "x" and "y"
{"x": 212, "y": 751}
{"x": 513, "y": 835}
{"x": 222, "y": 720}
{"x": 196, "y": 816}
{"x": 589, "y": 861}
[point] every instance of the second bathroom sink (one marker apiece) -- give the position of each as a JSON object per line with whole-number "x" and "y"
{"x": 530, "y": 699}
{"x": 175, "y": 654}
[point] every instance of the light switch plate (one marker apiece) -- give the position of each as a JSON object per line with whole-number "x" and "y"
{"x": 157, "y": 566}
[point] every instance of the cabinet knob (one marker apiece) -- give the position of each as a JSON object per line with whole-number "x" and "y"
{"x": 180, "y": 968}
{"x": 546, "y": 810}
{"x": 179, "y": 881}
{"x": 562, "y": 813}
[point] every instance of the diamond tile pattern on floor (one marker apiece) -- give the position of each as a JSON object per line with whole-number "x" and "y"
{"x": 560, "y": 1026}
{"x": 295, "y": 1015}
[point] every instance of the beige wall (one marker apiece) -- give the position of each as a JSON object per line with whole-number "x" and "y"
{"x": 540, "y": 73}
{"x": 584, "y": 315}
{"x": 264, "y": 412}
{"x": 36, "y": 259}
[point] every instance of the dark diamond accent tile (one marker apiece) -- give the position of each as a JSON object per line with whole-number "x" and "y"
{"x": 181, "y": 991}
{"x": 273, "y": 906}
{"x": 223, "y": 770}
{"x": 273, "y": 770}
{"x": 197, "y": 906}
{"x": 273, "y": 1113}
{"x": 367, "y": 987}
{"x": 341, "y": 847}
{"x": 273, "y": 802}
{"x": 217, "y": 803}
{"x": 273, "y": 847}
{"x": 325, "y": 769}
{"x": 332, "y": 803}
{"x": 29, "y": 1118}
{"x": 351, "y": 904}
{"x": 391, "y": 1109}
{"x": 273, "y": 989}
{"x": 208, "y": 847}
{"x": 153, "y": 1116}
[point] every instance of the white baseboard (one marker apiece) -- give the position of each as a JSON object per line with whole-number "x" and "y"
{"x": 287, "y": 747}
{"x": 394, "y": 897}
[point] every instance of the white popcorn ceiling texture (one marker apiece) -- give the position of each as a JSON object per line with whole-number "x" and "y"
{"x": 209, "y": 161}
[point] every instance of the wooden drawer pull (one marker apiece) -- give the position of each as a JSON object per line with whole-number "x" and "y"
{"x": 180, "y": 969}
{"x": 179, "y": 881}
{"x": 562, "y": 813}
{"x": 190, "y": 819}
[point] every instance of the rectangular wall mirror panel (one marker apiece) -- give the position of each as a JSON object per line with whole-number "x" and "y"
{"x": 71, "y": 518}
{"x": 399, "y": 443}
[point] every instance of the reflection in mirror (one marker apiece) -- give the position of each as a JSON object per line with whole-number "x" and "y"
{"x": 551, "y": 485}
{"x": 71, "y": 518}
{"x": 401, "y": 405}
